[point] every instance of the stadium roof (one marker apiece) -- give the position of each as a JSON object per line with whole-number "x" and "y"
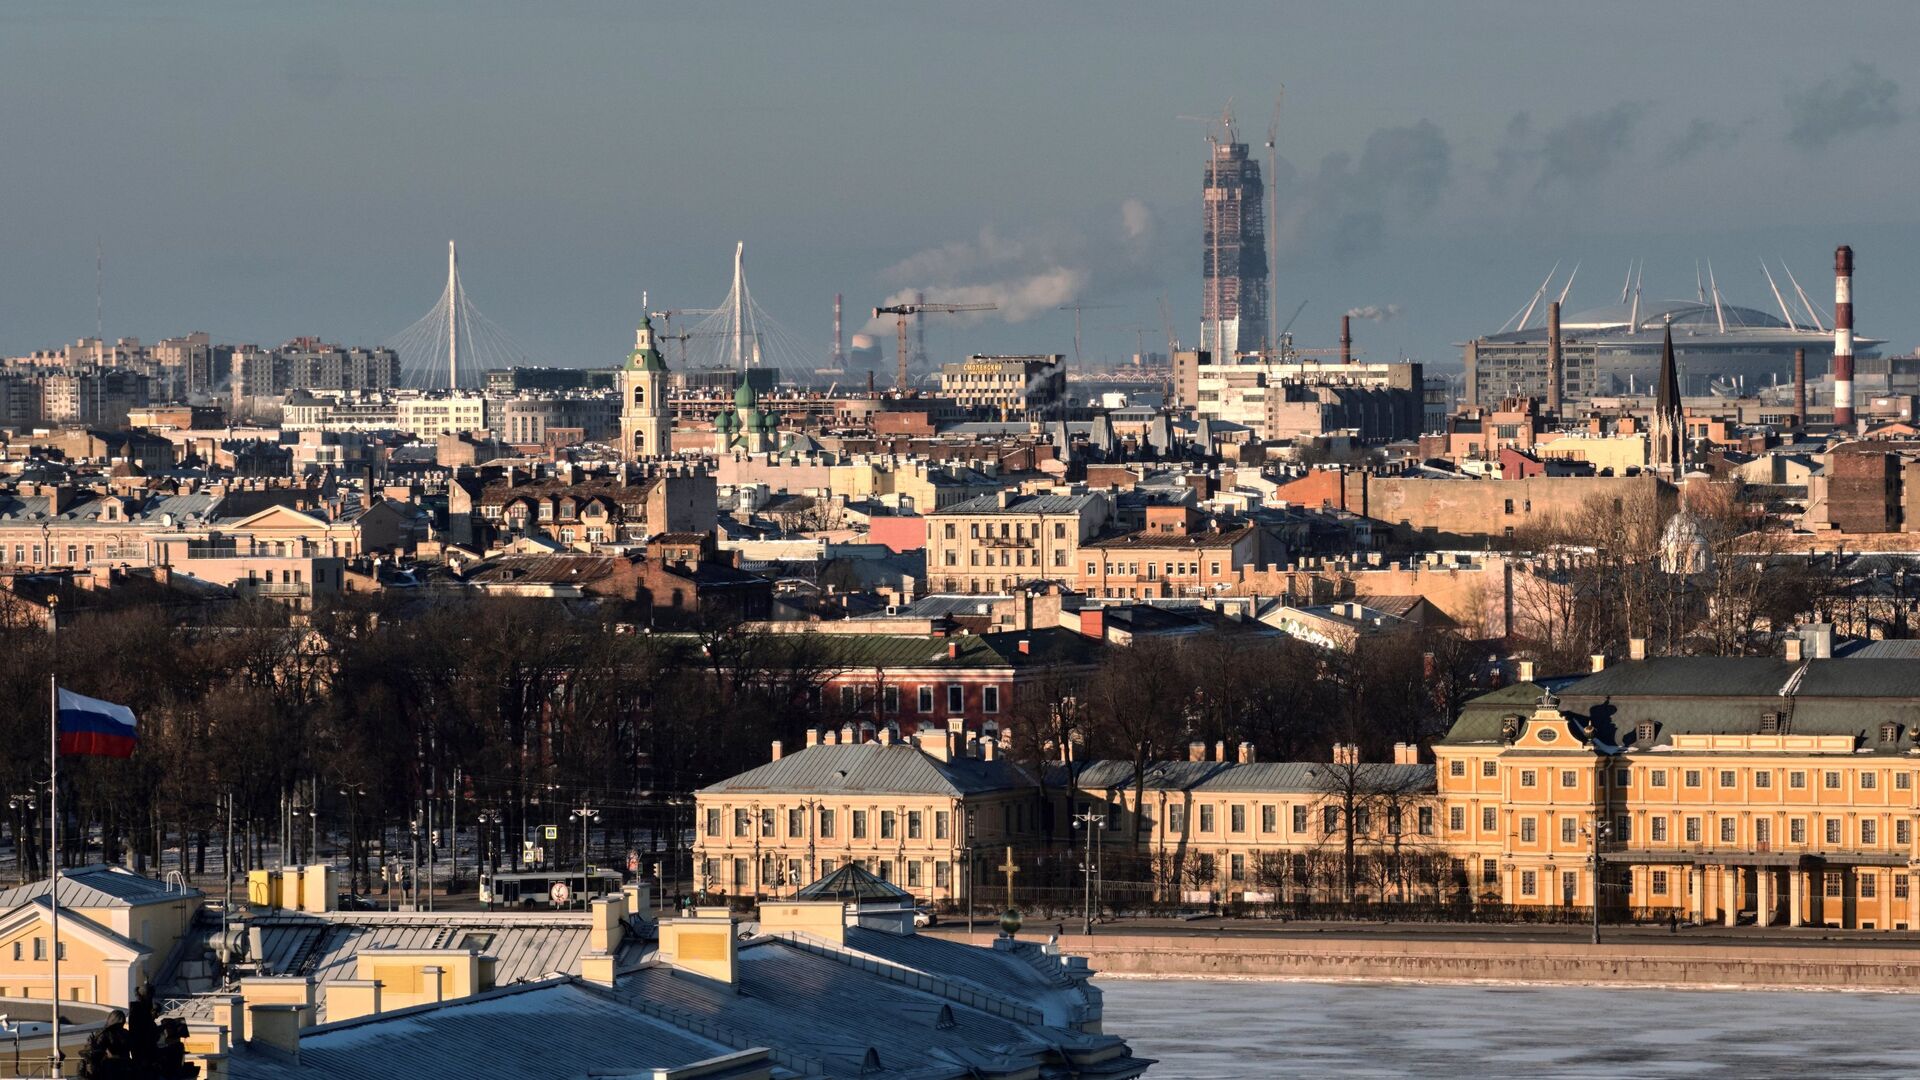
{"x": 1691, "y": 319}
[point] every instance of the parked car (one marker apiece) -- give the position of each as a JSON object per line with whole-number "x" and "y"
{"x": 925, "y": 915}
{"x": 350, "y": 902}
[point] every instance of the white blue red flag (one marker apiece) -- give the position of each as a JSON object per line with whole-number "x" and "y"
{"x": 91, "y": 726}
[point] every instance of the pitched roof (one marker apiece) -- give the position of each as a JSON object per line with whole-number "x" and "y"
{"x": 1045, "y": 645}
{"x": 873, "y": 769}
{"x": 99, "y": 886}
{"x": 1278, "y": 777}
{"x": 1021, "y": 504}
{"x": 1719, "y": 695}
{"x": 553, "y": 1029}
{"x": 527, "y": 946}
{"x": 852, "y": 882}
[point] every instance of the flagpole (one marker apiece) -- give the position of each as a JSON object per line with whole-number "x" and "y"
{"x": 53, "y": 857}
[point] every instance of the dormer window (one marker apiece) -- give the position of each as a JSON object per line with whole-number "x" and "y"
{"x": 1643, "y": 731}
{"x": 1889, "y": 733}
{"x": 1770, "y": 723}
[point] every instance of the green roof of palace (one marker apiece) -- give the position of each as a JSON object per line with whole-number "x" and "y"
{"x": 1717, "y": 695}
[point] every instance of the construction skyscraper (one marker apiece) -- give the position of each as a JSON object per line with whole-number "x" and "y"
{"x": 1233, "y": 306}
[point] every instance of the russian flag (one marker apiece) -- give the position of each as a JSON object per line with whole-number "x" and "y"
{"x": 91, "y": 726}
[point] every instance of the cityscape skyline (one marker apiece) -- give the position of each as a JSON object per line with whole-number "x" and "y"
{"x": 318, "y": 203}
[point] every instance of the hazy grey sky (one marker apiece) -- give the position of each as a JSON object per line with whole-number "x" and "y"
{"x": 261, "y": 170}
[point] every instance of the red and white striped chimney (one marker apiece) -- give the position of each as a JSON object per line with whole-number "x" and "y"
{"x": 1843, "y": 336}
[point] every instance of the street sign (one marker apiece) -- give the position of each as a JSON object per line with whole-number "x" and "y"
{"x": 559, "y": 892}
{"x": 550, "y": 832}
{"x": 529, "y": 851}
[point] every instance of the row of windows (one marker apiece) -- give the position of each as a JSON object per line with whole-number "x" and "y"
{"x": 39, "y": 949}
{"x": 1015, "y": 557}
{"x": 1299, "y": 816}
{"x": 859, "y": 697}
{"x": 1693, "y": 829}
{"x": 1015, "y": 531}
{"x": 1832, "y": 883}
{"x": 793, "y": 873}
{"x": 828, "y": 821}
{"x": 1154, "y": 570}
{"x": 1796, "y": 779}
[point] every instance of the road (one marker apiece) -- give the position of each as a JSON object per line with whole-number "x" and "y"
{"x": 1721, "y": 936}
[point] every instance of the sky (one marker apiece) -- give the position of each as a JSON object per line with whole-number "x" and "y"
{"x": 266, "y": 170}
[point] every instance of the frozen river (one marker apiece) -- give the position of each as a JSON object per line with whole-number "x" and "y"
{"x": 1228, "y": 1030}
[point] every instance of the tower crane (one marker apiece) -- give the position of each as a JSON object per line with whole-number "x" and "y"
{"x": 903, "y": 311}
{"x": 1077, "y": 309}
{"x": 666, "y": 328}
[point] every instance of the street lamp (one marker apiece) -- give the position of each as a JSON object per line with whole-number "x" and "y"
{"x": 1601, "y": 830}
{"x": 1092, "y": 823}
{"x": 413, "y": 875}
{"x": 585, "y": 814}
{"x": 484, "y": 837}
{"x": 16, "y": 803}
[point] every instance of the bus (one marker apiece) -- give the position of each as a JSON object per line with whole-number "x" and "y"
{"x": 555, "y": 888}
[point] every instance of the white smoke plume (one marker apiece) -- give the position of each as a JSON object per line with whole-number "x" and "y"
{"x": 1374, "y": 312}
{"x": 1029, "y": 274}
{"x": 1015, "y": 299}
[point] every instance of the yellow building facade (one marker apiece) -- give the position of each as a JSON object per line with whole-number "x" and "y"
{"x": 1772, "y": 791}
{"x": 915, "y": 814}
{"x": 1724, "y": 789}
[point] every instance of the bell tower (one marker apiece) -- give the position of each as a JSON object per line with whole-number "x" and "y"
{"x": 646, "y": 424}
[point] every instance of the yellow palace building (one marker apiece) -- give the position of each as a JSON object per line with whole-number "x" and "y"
{"x": 1778, "y": 791}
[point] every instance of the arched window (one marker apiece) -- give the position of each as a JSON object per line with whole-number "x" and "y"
{"x": 639, "y": 395}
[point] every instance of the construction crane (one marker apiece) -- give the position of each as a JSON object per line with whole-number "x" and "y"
{"x": 1140, "y": 340}
{"x": 1077, "y": 309}
{"x": 666, "y": 328}
{"x": 902, "y": 311}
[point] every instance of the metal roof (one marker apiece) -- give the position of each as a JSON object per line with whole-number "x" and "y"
{"x": 853, "y": 882}
{"x": 873, "y": 769}
{"x": 562, "y": 1029}
{"x": 833, "y": 1010}
{"x": 99, "y": 886}
{"x": 864, "y": 652}
{"x": 526, "y": 946}
{"x": 1259, "y": 777}
{"x": 1720, "y": 695}
{"x": 1021, "y": 504}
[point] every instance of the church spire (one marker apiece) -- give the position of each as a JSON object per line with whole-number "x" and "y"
{"x": 1669, "y": 427}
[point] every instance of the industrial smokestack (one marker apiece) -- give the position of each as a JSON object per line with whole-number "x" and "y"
{"x": 1800, "y": 388}
{"x": 1346, "y": 339}
{"x": 1554, "y": 373}
{"x": 1843, "y": 336}
{"x": 839, "y": 343}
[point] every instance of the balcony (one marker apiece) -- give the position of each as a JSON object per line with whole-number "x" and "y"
{"x": 279, "y": 588}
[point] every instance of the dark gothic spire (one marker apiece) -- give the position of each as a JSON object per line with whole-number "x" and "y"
{"x": 1669, "y": 428}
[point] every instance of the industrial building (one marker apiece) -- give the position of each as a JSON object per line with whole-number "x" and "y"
{"x": 1721, "y": 349}
{"x": 1007, "y": 387}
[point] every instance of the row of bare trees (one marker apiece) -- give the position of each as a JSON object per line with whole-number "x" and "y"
{"x": 368, "y": 721}
{"x": 1706, "y": 573}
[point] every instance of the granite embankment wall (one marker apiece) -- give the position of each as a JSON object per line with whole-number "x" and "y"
{"x": 1739, "y": 964}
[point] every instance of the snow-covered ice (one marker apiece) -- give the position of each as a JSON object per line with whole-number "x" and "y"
{"x": 1202, "y": 1029}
